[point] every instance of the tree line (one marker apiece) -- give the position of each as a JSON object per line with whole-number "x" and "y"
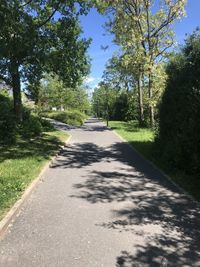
{"x": 143, "y": 31}
{"x": 43, "y": 61}
{"x": 151, "y": 82}
{"x": 38, "y": 38}
{"x": 42, "y": 51}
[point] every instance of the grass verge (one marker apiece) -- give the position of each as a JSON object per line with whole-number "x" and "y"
{"x": 142, "y": 139}
{"x": 22, "y": 162}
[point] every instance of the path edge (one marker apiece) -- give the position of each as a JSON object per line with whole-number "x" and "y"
{"x": 183, "y": 191}
{"x": 13, "y": 211}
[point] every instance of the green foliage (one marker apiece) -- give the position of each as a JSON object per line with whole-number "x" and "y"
{"x": 143, "y": 30}
{"x": 38, "y": 37}
{"x": 46, "y": 125}
{"x": 142, "y": 139}
{"x": 125, "y": 106}
{"x": 54, "y": 93}
{"x": 71, "y": 117}
{"x": 120, "y": 107}
{"x": 179, "y": 120}
{"x": 121, "y": 104}
{"x": 7, "y": 119}
{"x": 31, "y": 126}
{"x": 119, "y": 91}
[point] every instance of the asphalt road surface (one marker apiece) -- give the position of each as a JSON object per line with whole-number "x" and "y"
{"x": 101, "y": 204}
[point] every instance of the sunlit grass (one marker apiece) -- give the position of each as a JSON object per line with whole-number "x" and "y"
{"x": 22, "y": 162}
{"x": 142, "y": 139}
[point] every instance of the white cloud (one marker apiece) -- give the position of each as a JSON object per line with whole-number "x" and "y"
{"x": 89, "y": 80}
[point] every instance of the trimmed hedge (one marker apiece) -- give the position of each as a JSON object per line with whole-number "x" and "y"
{"x": 179, "y": 115}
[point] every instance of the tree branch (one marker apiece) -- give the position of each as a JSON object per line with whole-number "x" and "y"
{"x": 170, "y": 17}
{"x": 25, "y": 4}
{"x": 136, "y": 13}
{"x": 50, "y": 17}
{"x": 162, "y": 51}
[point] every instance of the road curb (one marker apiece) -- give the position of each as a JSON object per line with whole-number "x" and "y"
{"x": 12, "y": 213}
{"x": 157, "y": 168}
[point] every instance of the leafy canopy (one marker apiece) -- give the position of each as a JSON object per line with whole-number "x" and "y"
{"x": 42, "y": 36}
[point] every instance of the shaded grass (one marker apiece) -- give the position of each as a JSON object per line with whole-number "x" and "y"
{"x": 22, "y": 162}
{"x": 142, "y": 139}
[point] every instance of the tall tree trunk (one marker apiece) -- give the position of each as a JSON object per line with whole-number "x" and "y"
{"x": 140, "y": 101}
{"x": 151, "y": 108}
{"x": 16, "y": 90}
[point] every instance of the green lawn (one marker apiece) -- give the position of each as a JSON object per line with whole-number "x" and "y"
{"x": 21, "y": 163}
{"x": 142, "y": 139}
{"x": 139, "y": 138}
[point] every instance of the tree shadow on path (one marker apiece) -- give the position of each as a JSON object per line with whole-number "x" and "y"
{"x": 155, "y": 204}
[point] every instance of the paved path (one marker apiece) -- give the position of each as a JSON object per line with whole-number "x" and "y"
{"x": 100, "y": 204}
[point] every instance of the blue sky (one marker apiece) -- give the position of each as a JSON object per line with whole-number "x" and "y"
{"x": 93, "y": 27}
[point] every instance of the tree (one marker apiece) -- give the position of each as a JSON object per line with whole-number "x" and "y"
{"x": 117, "y": 74}
{"x": 145, "y": 34}
{"x": 103, "y": 98}
{"x": 39, "y": 36}
{"x": 110, "y": 103}
{"x": 121, "y": 81}
{"x": 54, "y": 93}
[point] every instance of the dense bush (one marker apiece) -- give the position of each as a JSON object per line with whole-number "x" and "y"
{"x": 119, "y": 108}
{"x": 179, "y": 115}
{"x": 46, "y": 125}
{"x": 9, "y": 129}
{"x": 71, "y": 117}
{"x": 7, "y": 120}
{"x": 31, "y": 126}
{"x": 121, "y": 105}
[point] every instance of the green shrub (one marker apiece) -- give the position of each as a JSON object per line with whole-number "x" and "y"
{"x": 7, "y": 120}
{"x": 31, "y": 126}
{"x": 46, "y": 125}
{"x": 9, "y": 129}
{"x": 179, "y": 115}
{"x": 71, "y": 117}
